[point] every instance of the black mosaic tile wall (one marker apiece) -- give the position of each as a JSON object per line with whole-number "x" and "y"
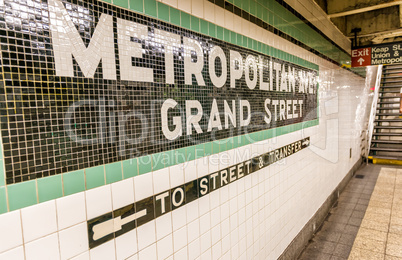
{"x": 53, "y": 124}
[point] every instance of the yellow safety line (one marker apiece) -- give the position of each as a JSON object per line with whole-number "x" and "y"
{"x": 385, "y": 161}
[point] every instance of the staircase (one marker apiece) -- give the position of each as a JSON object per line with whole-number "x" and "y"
{"x": 386, "y": 143}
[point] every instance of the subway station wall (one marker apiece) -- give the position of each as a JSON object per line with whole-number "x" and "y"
{"x": 175, "y": 129}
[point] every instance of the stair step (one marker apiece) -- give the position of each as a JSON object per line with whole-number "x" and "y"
{"x": 386, "y": 141}
{"x": 387, "y": 157}
{"x": 391, "y": 81}
{"x": 388, "y": 102}
{"x": 383, "y": 149}
{"x": 393, "y": 86}
{"x": 390, "y": 91}
{"x": 391, "y": 77}
{"x": 387, "y": 114}
{"x": 392, "y": 67}
{"x": 382, "y": 97}
{"x": 387, "y": 127}
{"x": 387, "y": 134}
{"x": 388, "y": 108}
{"x": 388, "y": 120}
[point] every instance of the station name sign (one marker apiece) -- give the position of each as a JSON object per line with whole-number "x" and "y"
{"x": 377, "y": 54}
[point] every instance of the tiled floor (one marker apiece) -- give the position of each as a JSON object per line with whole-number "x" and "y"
{"x": 337, "y": 235}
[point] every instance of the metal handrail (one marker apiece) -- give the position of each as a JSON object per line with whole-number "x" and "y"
{"x": 373, "y": 110}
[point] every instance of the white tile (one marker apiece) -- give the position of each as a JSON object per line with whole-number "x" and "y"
{"x": 179, "y": 218}
{"x": 192, "y": 211}
{"x": 197, "y": 8}
{"x": 165, "y": 247}
{"x": 134, "y": 257}
{"x": 163, "y": 225}
{"x": 73, "y": 241}
{"x": 181, "y": 255}
{"x": 207, "y": 255}
{"x": 98, "y": 201}
{"x": 39, "y": 220}
{"x": 161, "y": 180}
{"x": 190, "y": 171}
{"x": 176, "y": 175}
{"x": 35, "y": 249}
{"x": 205, "y": 223}
{"x": 217, "y": 251}
{"x": 122, "y": 193}
{"x": 172, "y": 3}
{"x": 70, "y": 210}
{"x": 146, "y": 235}
{"x": 215, "y": 234}
{"x": 184, "y": 5}
{"x": 179, "y": 238}
{"x": 205, "y": 241}
{"x": 219, "y": 18}
{"x": 209, "y": 12}
{"x": 204, "y": 204}
{"x": 105, "y": 251}
{"x": 148, "y": 253}
{"x": 126, "y": 244}
{"x": 83, "y": 256}
{"x": 143, "y": 187}
{"x": 194, "y": 249}
{"x": 16, "y": 253}
{"x": 193, "y": 230}
{"x": 11, "y": 232}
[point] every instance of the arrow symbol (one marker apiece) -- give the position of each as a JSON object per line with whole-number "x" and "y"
{"x": 306, "y": 142}
{"x": 361, "y": 60}
{"x": 115, "y": 224}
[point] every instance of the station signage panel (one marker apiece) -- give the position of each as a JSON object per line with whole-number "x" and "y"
{"x": 389, "y": 53}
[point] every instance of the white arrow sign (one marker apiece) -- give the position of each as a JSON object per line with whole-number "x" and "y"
{"x": 115, "y": 224}
{"x": 361, "y": 60}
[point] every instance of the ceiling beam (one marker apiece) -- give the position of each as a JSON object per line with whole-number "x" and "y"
{"x": 365, "y": 9}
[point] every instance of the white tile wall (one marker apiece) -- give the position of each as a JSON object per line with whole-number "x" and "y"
{"x": 253, "y": 218}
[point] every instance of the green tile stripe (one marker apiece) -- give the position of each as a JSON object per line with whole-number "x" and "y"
{"x": 28, "y": 193}
{"x": 188, "y": 21}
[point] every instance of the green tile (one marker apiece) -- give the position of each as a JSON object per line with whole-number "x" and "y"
{"x": 215, "y": 147}
{"x": 222, "y": 145}
{"x": 229, "y": 143}
{"x": 195, "y": 23}
{"x": 2, "y": 182}
{"x": 163, "y": 12}
{"x": 185, "y": 20}
{"x": 150, "y": 8}
{"x": 22, "y": 194}
{"x": 204, "y": 26}
{"x": 226, "y": 35}
{"x": 169, "y": 158}
{"x": 121, "y": 3}
{"x": 175, "y": 16}
{"x": 73, "y": 182}
{"x": 253, "y": 8}
{"x": 237, "y": 3}
{"x": 239, "y": 40}
{"x": 144, "y": 164}
{"x": 212, "y": 29}
{"x": 137, "y": 5}
{"x": 107, "y": 1}
{"x": 219, "y": 32}
{"x": 157, "y": 161}
{"x": 245, "y": 5}
{"x": 181, "y": 155}
{"x": 130, "y": 168}
{"x": 190, "y": 153}
{"x": 208, "y": 149}
{"x": 233, "y": 38}
{"x": 3, "y": 200}
{"x": 113, "y": 172}
{"x": 199, "y": 150}
{"x": 50, "y": 188}
{"x": 95, "y": 177}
